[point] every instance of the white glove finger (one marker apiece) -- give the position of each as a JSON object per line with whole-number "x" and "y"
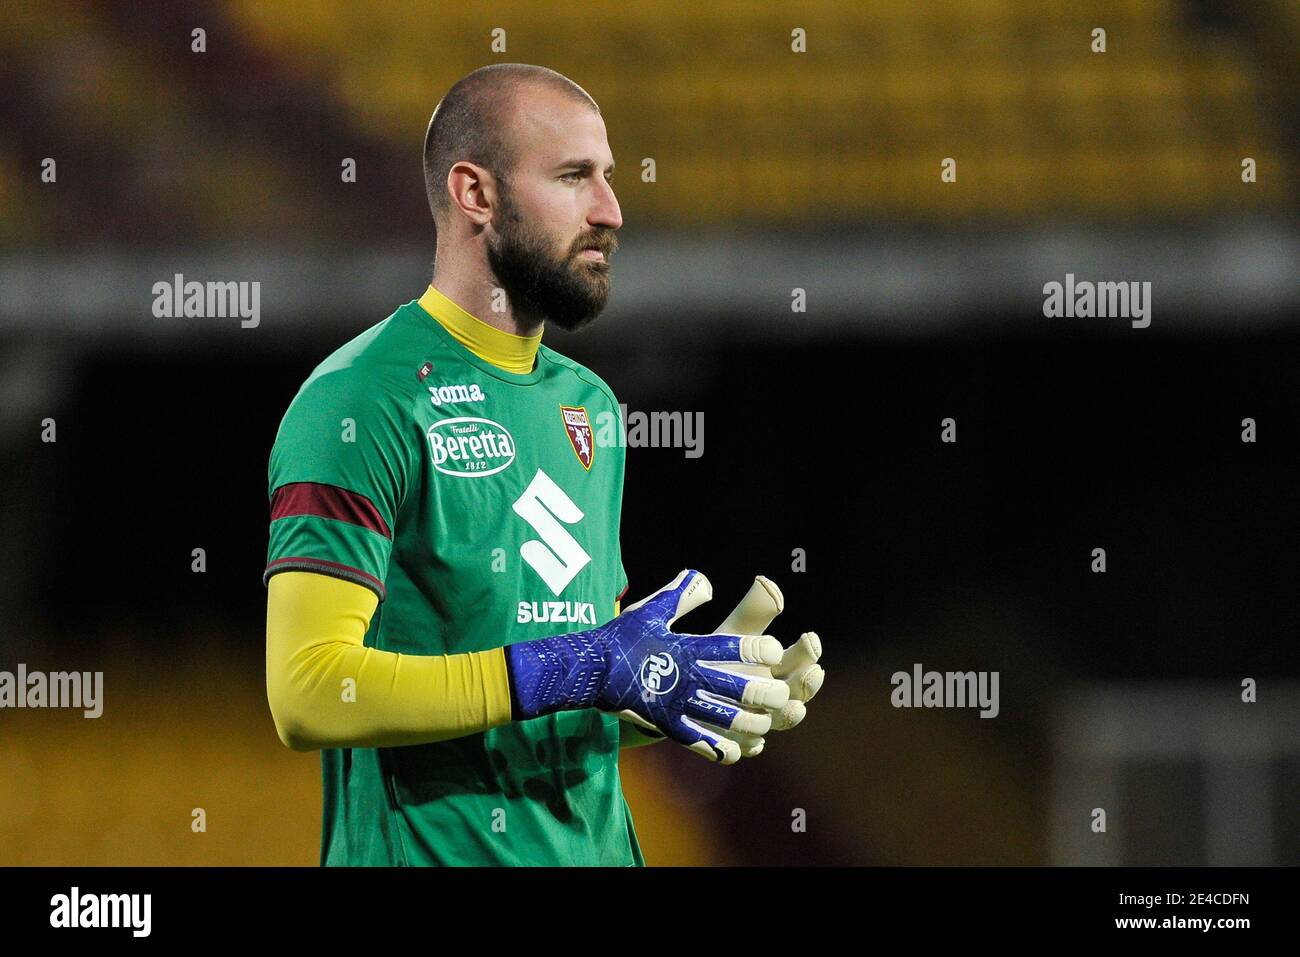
{"x": 698, "y": 590}
{"x": 749, "y": 684}
{"x": 640, "y": 722}
{"x": 761, "y": 604}
{"x": 751, "y": 745}
{"x": 770, "y": 693}
{"x": 751, "y": 722}
{"x": 789, "y": 716}
{"x": 698, "y": 737}
{"x": 799, "y": 667}
{"x": 807, "y": 683}
{"x": 726, "y": 713}
{"x": 759, "y": 649}
{"x": 696, "y": 593}
{"x": 804, "y": 652}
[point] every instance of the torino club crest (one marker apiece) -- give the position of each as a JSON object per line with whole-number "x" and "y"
{"x": 578, "y": 426}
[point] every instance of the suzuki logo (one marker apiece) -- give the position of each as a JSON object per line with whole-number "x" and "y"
{"x": 556, "y": 557}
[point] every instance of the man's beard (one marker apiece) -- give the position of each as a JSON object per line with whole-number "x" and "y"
{"x": 568, "y": 292}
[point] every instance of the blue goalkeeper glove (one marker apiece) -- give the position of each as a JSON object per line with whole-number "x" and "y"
{"x": 713, "y": 694}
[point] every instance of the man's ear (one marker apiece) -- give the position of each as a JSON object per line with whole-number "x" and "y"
{"x": 473, "y": 191}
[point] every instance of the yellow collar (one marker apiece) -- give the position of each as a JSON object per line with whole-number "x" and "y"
{"x": 503, "y": 349}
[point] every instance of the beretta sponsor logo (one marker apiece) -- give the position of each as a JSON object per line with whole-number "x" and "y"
{"x": 470, "y": 446}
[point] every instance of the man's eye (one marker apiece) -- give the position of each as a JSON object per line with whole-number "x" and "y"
{"x": 576, "y": 176}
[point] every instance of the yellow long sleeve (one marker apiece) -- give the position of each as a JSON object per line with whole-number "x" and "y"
{"x": 327, "y": 690}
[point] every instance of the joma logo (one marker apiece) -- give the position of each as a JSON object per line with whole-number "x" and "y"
{"x": 438, "y": 394}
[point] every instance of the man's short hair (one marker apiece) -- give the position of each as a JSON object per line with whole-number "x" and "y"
{"x": 471, "y": 123}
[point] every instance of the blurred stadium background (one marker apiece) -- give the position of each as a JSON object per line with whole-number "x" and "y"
{"x": 775, "y": 170}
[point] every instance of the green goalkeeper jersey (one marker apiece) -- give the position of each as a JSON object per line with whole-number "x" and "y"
{"x": 478, "y": 506}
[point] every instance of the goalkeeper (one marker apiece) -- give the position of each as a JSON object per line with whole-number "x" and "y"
{"x": 444, "y": 568}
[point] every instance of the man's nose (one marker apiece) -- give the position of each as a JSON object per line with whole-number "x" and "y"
{"x": 605, "y": 211}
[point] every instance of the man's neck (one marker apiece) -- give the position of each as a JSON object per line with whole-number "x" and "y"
{"x": 478, "y": 296}
{"x": 503, "y": 349}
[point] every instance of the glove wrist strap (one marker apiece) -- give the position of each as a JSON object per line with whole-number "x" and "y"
{"x": 564, "y": 673}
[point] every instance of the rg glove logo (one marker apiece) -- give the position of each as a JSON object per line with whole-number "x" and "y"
{"x": 659, "y": 674}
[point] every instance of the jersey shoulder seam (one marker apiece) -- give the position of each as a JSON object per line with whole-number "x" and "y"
{"x": 582, "y": 372}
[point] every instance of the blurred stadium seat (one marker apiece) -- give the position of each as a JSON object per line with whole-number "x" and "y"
{"x": 853, "y": 130}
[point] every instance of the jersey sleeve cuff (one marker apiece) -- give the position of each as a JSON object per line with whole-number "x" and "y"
{"x": 322, "y": 567}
